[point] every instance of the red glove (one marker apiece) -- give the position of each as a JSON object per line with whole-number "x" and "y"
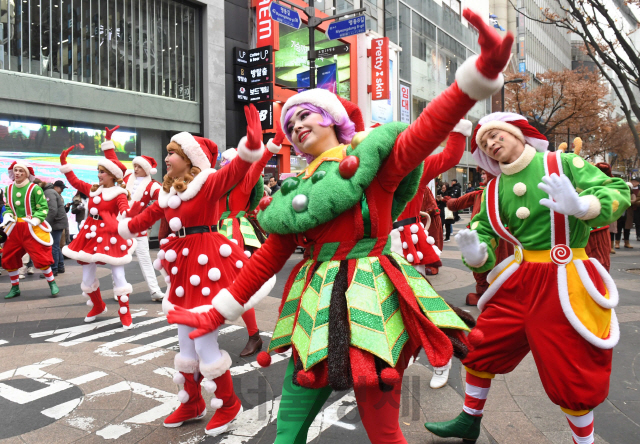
{"x": 279, "y": 136}
{"x": 494, "y": 50}
{"x": 203, "y": 322}
{"x": 65, "y": 153}
{"x": 254, "y": 128}
{"x": 110, "y": 131}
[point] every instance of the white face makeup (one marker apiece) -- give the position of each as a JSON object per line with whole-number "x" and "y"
{"x": 309, "y": 135}
{"x": 501, "y": 145}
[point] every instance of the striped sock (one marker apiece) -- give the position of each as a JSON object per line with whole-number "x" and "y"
{"x": 475, "y": 396}
{"x": 15, "y": 277}
{"x": 48, "y": 274}
{"x": 582, "y": 428}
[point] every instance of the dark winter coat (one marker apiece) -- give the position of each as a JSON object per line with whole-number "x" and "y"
{"x": 56, "y": 216}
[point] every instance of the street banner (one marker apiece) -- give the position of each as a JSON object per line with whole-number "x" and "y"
{"x": 380, "y": 69}
{"x": 382, "y": 110}
{"x": 405, "y": 103}
{"x": 266, "y": 29}
{"x": 265, "y": 110}
{"x": 346, "y": 28}
{"x": 328, "y": 78}
{"x": 304, "y": 81}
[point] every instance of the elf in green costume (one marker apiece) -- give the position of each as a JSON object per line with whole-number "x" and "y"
{"x": 353, "y": 311}
{"x": 549, "y": 297}
{"x": 26, "y": 228}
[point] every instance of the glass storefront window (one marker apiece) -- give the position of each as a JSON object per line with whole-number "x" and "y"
{"x": 147, "y": 46}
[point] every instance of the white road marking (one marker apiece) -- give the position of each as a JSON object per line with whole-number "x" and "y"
{"x": 148, "y": 357}
{"x": 106, "y": 349}
{"x": 110, "y": 332}
{"x": 249, "y": 423}
{"x": 70, "y": 332}
{"x": 166, "y": 371}
{"x": 152, "y": 346}
{"x": 113, "y": 431}
{"x": 81, "y": 422}
{"x": 87, "y": 378}
{"x": 61, "y": 410}
{"x": 32, "y": 371}
{"x": 332, "y": 415}
{"x": 3, "y": 341}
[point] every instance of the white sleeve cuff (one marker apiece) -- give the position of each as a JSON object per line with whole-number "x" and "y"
{"x": 594, "y": 208}
{"x": 479, "y": 264}
{"x": 107, "y": 145}
{"x": 275, "y": 149}
{"x": 123, "y": 229}
{"x": 64, "y": 169}
{"x": 227, "y": 305}
{"x": 463, "y": 127}
{"x": 473, "y": 83}
{"x": 248, "y": 155}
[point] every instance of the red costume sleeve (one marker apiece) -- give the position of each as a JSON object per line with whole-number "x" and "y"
{"x": 123, "y": 203}
{"x": 255, "y": 172}
{"x": 220, "y": 182}
{"x": 155, "y": 191}
{"x": 424, "y": 135}
{"x": 146, "y": 219}
{"x": 78, "y": 184}
{"x": 265, "y": 262}
{"x": 437, "y": 164}
{"x": 463, "y": 202}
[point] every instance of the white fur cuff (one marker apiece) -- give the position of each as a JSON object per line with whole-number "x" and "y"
{"x": 248, "y": 155}
{"x": 480, "y": 264}
{"x": 64, "y": 169}
{"x": 92, "y": 288}
{"x": 227, "y": 305}
{"x": 185, "y": 365}
{"x": 216, "y": 368}
{"x": 107, "y": 145}
{"x": 260, "y": 294}
{"x": 123, "y": 229}
{"x": 474, "y": 84}
{"x": 463, "y": 127}
{"x": 275, "y": 149}
{"x": 594, "y": 207}
{"x": 121, "y": 291}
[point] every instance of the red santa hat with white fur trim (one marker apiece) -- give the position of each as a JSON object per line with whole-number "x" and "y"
{"x": 148, "y": 164}
{"x": 512, "y": 123}
{"x": 110, "y": 160}
{"x": 25, "y": 166}
{"x": 201, "y": 152}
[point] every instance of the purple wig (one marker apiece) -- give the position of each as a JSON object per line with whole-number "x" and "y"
{"x": 345, "y": 129}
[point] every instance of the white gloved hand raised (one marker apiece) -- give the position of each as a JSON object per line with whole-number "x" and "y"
{"x": 473, "y": 251}
{"x": 565, "y": 197}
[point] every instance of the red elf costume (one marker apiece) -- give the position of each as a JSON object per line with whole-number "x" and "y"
{"x": 434, "y": 227}
{"x": 599, "y": 245}
{"x": 197, "y": 262}
{"x": 98, "y": 241}
{"x": 353, "y": 311}
{"x": 234, "y": 207}
{"x": 143, "y": 190}
{"x": 26, "y": 229}
{"x": 473, "y": 200}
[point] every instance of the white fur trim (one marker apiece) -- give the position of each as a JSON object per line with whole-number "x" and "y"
{"x": 463, "y": 127}
{"x": 520, "y": 163}
{"x": 142, "y": 163}
{"x": 67, "y": 168}
{"x": 498, "y": 268}
{"x": 179, "y": 378}
{"x": 192, "y": 149}
{"x": 108, "y": 145}
{"x": 192, "y": 189}
{"x": 594, "y": 207}
{"x": 565, "y": 302}
{"x": 108, "y": 193}
{"x": 185, "y": 365}
{"x": 260, "y": 294}
{"x": 209, "y": 385}
{"x": 216, "y": 368}
{"x": 227, "y": 305}
{"x": 229, "y": 154}
{"x": 99, "y": 257}
{"x": 121, "y": 291}
{"x": 495, "y": 285}
{"x": 320, "y": 98}
{"x": 91, "y": 289}
{"x": 142, "y": 187}
{"x": 396, "y": 242}
{"x": 474, "y": 84}
{"x": 123, "y": 229}
{"x": 609, "y": 284}
{"x": 272, "y": 147}
{"x": 248, "y": 155}
{"x": 111, "y": 167}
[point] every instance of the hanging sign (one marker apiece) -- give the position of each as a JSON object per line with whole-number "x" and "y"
{"x": 380, "y": 69}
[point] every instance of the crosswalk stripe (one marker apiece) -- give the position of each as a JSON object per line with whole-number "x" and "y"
{"x": 148, "y": 357}
{"x": 3, "y": 341}
{"x": 62, "y": 410}
{"x": 249, "y": 423}
{"x": 110, "y": 332}
{"x": 152, "y": 346}
{"x": 87, "y": 378}
{"x": 332, "y": 415}
{"x": 80, "y": 329}
{"x": 106, "y": 349}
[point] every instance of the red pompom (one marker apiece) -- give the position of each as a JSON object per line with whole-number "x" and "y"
{"x": 264, "y": 359}
{"x": 265, "y": 202}
{"x": 348, "y": 166}
{"x": 475, "y": 337}
{"x": 390, "y": 376}
{"x": 306, "y": 378}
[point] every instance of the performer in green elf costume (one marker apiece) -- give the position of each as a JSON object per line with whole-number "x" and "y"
{"x": 353, "y": 311}
{"x": 549, "y": 297}
{"x": 26, "y": 228}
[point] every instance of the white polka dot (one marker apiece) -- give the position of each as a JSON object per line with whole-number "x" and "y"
{"x": 17, "y": 202}
{"x": 157, "y": 264}
{"x": 174, "y": 271}
{"x": 174, "y": 202}
{"x": 142, "y": 204}
{"x": 160, "y": 254}
{"x": 422, "y": 225}
{"x": 146, "y": 193}
{"x": 102, "y": 225}
{"x": 144, "y": 233}
{"x": 175, "y": 224}
{"x": 179, "y": 292}
{"x": 171, "y": 255}
{"x": 239, "y": 264}
{"x": 95, "y": 248}
{"x": 523, "y": 212}
{"x": 185, "y": 252}
{"x": 519, "y": 189}
{"x": 475, "y": 225}
{"x": 247, "y": 253}
{"x": 214, "y": 274}
{"x": 123, "y": 247}
{"x": 225, "y": 250}
{"x": 203, "y": 259}
{"x": 420, "y": 255}
{"x": 172, "y": 235}
{"x": 88, "y": 235}
{"x": 97, "y": 199}
{"x": 113, "y": 240}
{"x": 94, "y": 228}
{"x": 431, "y": 240}
{"x": 167, "y": 279}
{"x": 93, "y": 234}
{"x": 410, "y": 257}
{"x": 129, "y": 242}
{"x": 39, "y": 192}
{"x": 405, "y": 245}
{"x": 20, "y": 195}
{"x": 414, "y": 228}
{"x": 206, "y": 291}
{"x": 123, "y": 310}
{"x": 124, "y": 299}
{"x": 86, "y": 227}
{"x": 93, "y": 211}
{"x": 400, "y": 228}
{"x": 414, "y": 238}
{"x": 195, "y": 280}
{"x": 578, "y": 162}
{"x": 106, "y": 248}
{"x": 164, "y": 241}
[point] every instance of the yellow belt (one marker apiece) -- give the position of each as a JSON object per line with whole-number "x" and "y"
{"x": 544, "y": 256}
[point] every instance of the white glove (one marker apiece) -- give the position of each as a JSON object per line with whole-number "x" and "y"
{"x": 8, "y": 219}
{"x": 473, "y": 251}
{"x": 562, "y": 191}
{"x": 33, "y": 221}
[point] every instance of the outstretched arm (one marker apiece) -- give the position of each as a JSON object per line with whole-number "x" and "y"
{"x": 67, "y": 170}
{"x": 463, "y": 202}
{"x": 273, "y": 147}
{"x": 127, "y": 228}
{"x": 437, "y": 164}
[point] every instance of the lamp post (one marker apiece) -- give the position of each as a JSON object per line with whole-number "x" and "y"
{"x": 502, "y": 90}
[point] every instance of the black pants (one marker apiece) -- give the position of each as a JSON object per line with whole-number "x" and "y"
{"x": 621, "y": 229}
{"x": 447, "y": 228}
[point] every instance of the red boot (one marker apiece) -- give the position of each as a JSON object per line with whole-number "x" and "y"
{"x": 193, "y": 405}
{"x": 123, "y": 299}
{"x": 225, "y": 402}
{"x": 473, "y": 298}
{"x": 95, "y": 301}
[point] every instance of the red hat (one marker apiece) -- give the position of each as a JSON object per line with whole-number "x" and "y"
{"x": 110, "y": 160}
{"x": 25, "y": 166}
{"x": 512, "y": 123}
{"x": 201, "y": 152}
{"x": 605, "y": 168}
{"x": 148, "y": 164}
{"x": 354, "y": 113}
